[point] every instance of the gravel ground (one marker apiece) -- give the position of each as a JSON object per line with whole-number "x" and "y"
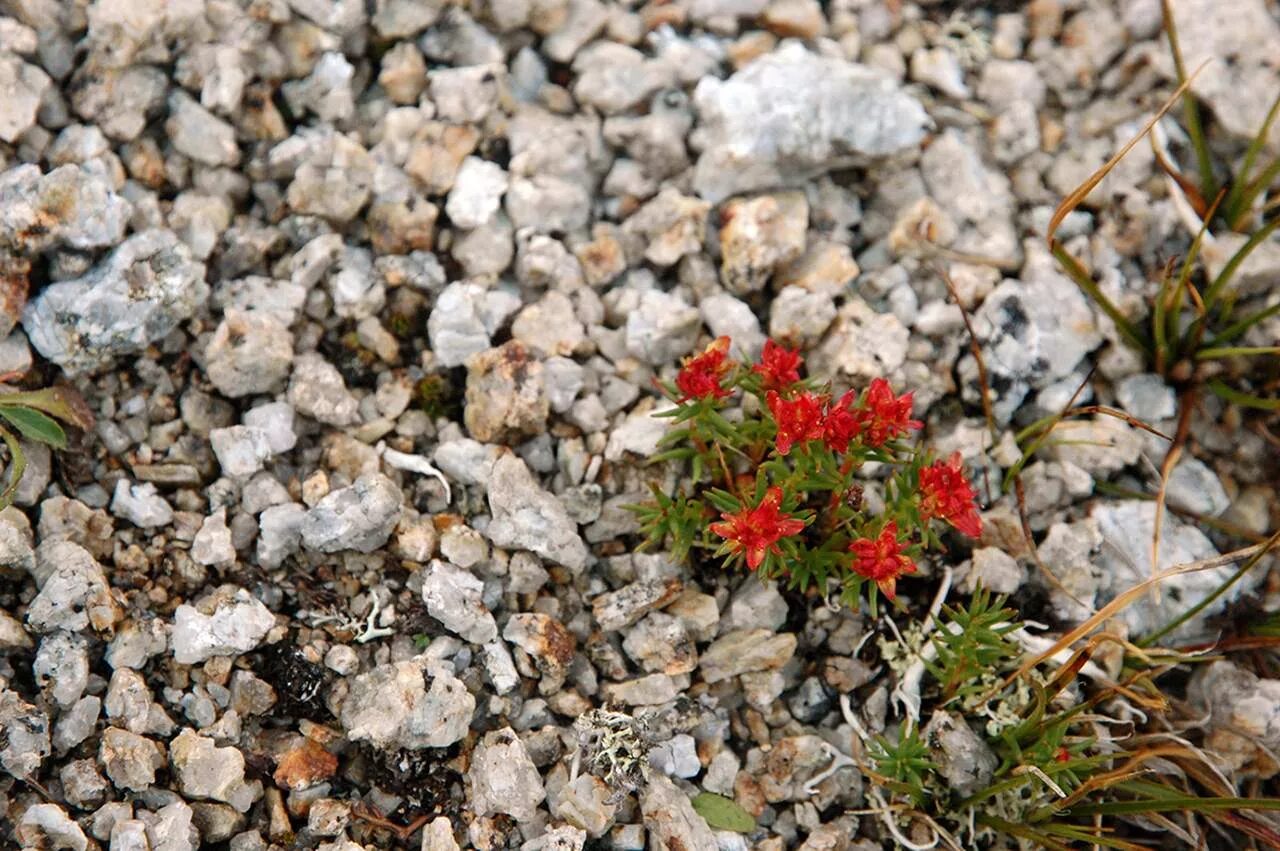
{"x": 369, "y": 298}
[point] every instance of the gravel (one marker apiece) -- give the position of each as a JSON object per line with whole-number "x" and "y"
{"x": 370, "y": 300}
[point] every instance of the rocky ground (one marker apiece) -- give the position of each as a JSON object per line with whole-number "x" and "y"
{"x": 368, "y": 300}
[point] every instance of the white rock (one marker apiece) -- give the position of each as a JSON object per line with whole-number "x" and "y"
{"x": 198, "y": 133}
{"x": 141, "y": 505}
{"x": 136, "y": 296}
{"x": 277, "y": 420}
{"x": 240, "y": 450}
{"x": 212, "y": 544}
{"x": 452, "y": 596}
{"x": 528, "y": 518}
{"x": 280, "y": 533}
{"x": 316, "y": 390}
{"x": 204, "y": 770}
{"x": 477, "y": 192}
{"x": 391, "y": 707}
{"x": 792, "y": 115}
{"x": 74, "y": 593}
{"x": 502, "y": 777}
{"x": 249, "y": 353}
{"x": 359, "y": 517}
{"x": 237, "y": 625}
{"x": 662, "y": 328}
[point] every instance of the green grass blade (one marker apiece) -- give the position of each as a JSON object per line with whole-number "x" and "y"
{"x": 1239, "y": 327}
{"x": 1246, "y": 400}
{"x": 17, "y": 466}
{"x": 1236, "y": 351}
{"x": 1085, "y": 281}
{"x": 1239, "y": 202}
{"x": 1190, "y": 109}
{"x": 1224, "y": 277}
{"x": 1184, "y": 803}
{"x": 1190, "y": 613}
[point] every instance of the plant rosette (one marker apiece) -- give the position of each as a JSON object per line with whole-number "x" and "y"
{"x": 779, "y": 465}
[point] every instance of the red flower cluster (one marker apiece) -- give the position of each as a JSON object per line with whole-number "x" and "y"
{"x": 841, "y": 423}
{"x": 799, "y": 420}
{"x": 701, "y": 375}
{"x": 880, "y": 418}
{"x": 945, "y": 493}
{"x": 881, "y": 559}
{"x": 756, "y": 531}
{"x": 779, "y": 366}
{"x": 884, "y": 416}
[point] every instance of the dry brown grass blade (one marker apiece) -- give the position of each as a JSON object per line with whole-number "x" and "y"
{"x": 1186, "y": 406}
{"x": 1082, "y": 191}
{"x": 1024, "y": 518}
{"x": 1120, "y": 603}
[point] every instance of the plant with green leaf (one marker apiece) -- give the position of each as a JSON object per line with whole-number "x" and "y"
{"x": 779, "y": 477}
{"x": 1017, "y": 753}
{"x": 36, "y": 415}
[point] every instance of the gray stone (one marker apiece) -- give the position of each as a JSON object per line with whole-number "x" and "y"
{"x": 237, "y": 624}
{"x": 730, "y": 317}
{"x": 136, "y": 296}
{"x": 1125, "y": 560}
{"x": 503, "y": 779}
{"x": 963, "y": 758}
{"x": 662, "y": 328}
{"x": 24, "y": 742}
{"x": 249, "y": 353}
{"x": 280, "y": 533}
{"x": 74, "y": 593}
{"x": 1147, "y": 397}
{"x": 240, "y": 450}
{"x": 464, "y": 318}
{"x": 453, "y": 597}
{"x": 72, "y": 205}
{"x": 49, "y": 826}
{"x": 204, "y": 770}
{"x": 61, "y": 667}
{"x": 141, "y": 505}
{"x": 792, "y": 115}
{"x": 746, "y": 651}
{"x": 22, "y": 86}
{"x": 1033, "y": 332}
{"x": 316, "y": 390}
{"x": 359, "y": 517}
{"x": 528, "y": 518}
{"x": 198, "y": 133}
{"x": 670, "y": 816}
{"x": 624, "y": 607}
{"x": 277, "y": 420}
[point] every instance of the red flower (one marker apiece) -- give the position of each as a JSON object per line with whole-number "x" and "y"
{"x": 756, "y": 531}
{"x": 840, "y": 423}
{"x": 799, "y": 420}
{"x": 885, "y": 416}
{"x": 779, "y": 366}
{"x": 945, "y": 493}
{"x": 881, "y": 560}
{"x": 701, "y": 375}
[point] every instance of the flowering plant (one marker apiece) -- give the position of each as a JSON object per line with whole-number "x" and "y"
{"x": 777, "y": 464}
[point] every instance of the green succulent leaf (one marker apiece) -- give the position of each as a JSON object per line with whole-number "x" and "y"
{"x": 34, "y": 425}
{"x": 723, "y": 813}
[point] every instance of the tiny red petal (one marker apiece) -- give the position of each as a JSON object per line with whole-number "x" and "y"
{"x": 884, "y": 416}
{"x": 798, "y": 420}
{"x": 840, "y": 424}
{"x": 779, "y": 366}
{"x": 757, "y": 531}
{"x": 946, "y": 493}
{"x": 701, "y": 375}
{"x": 881, "y": 559}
